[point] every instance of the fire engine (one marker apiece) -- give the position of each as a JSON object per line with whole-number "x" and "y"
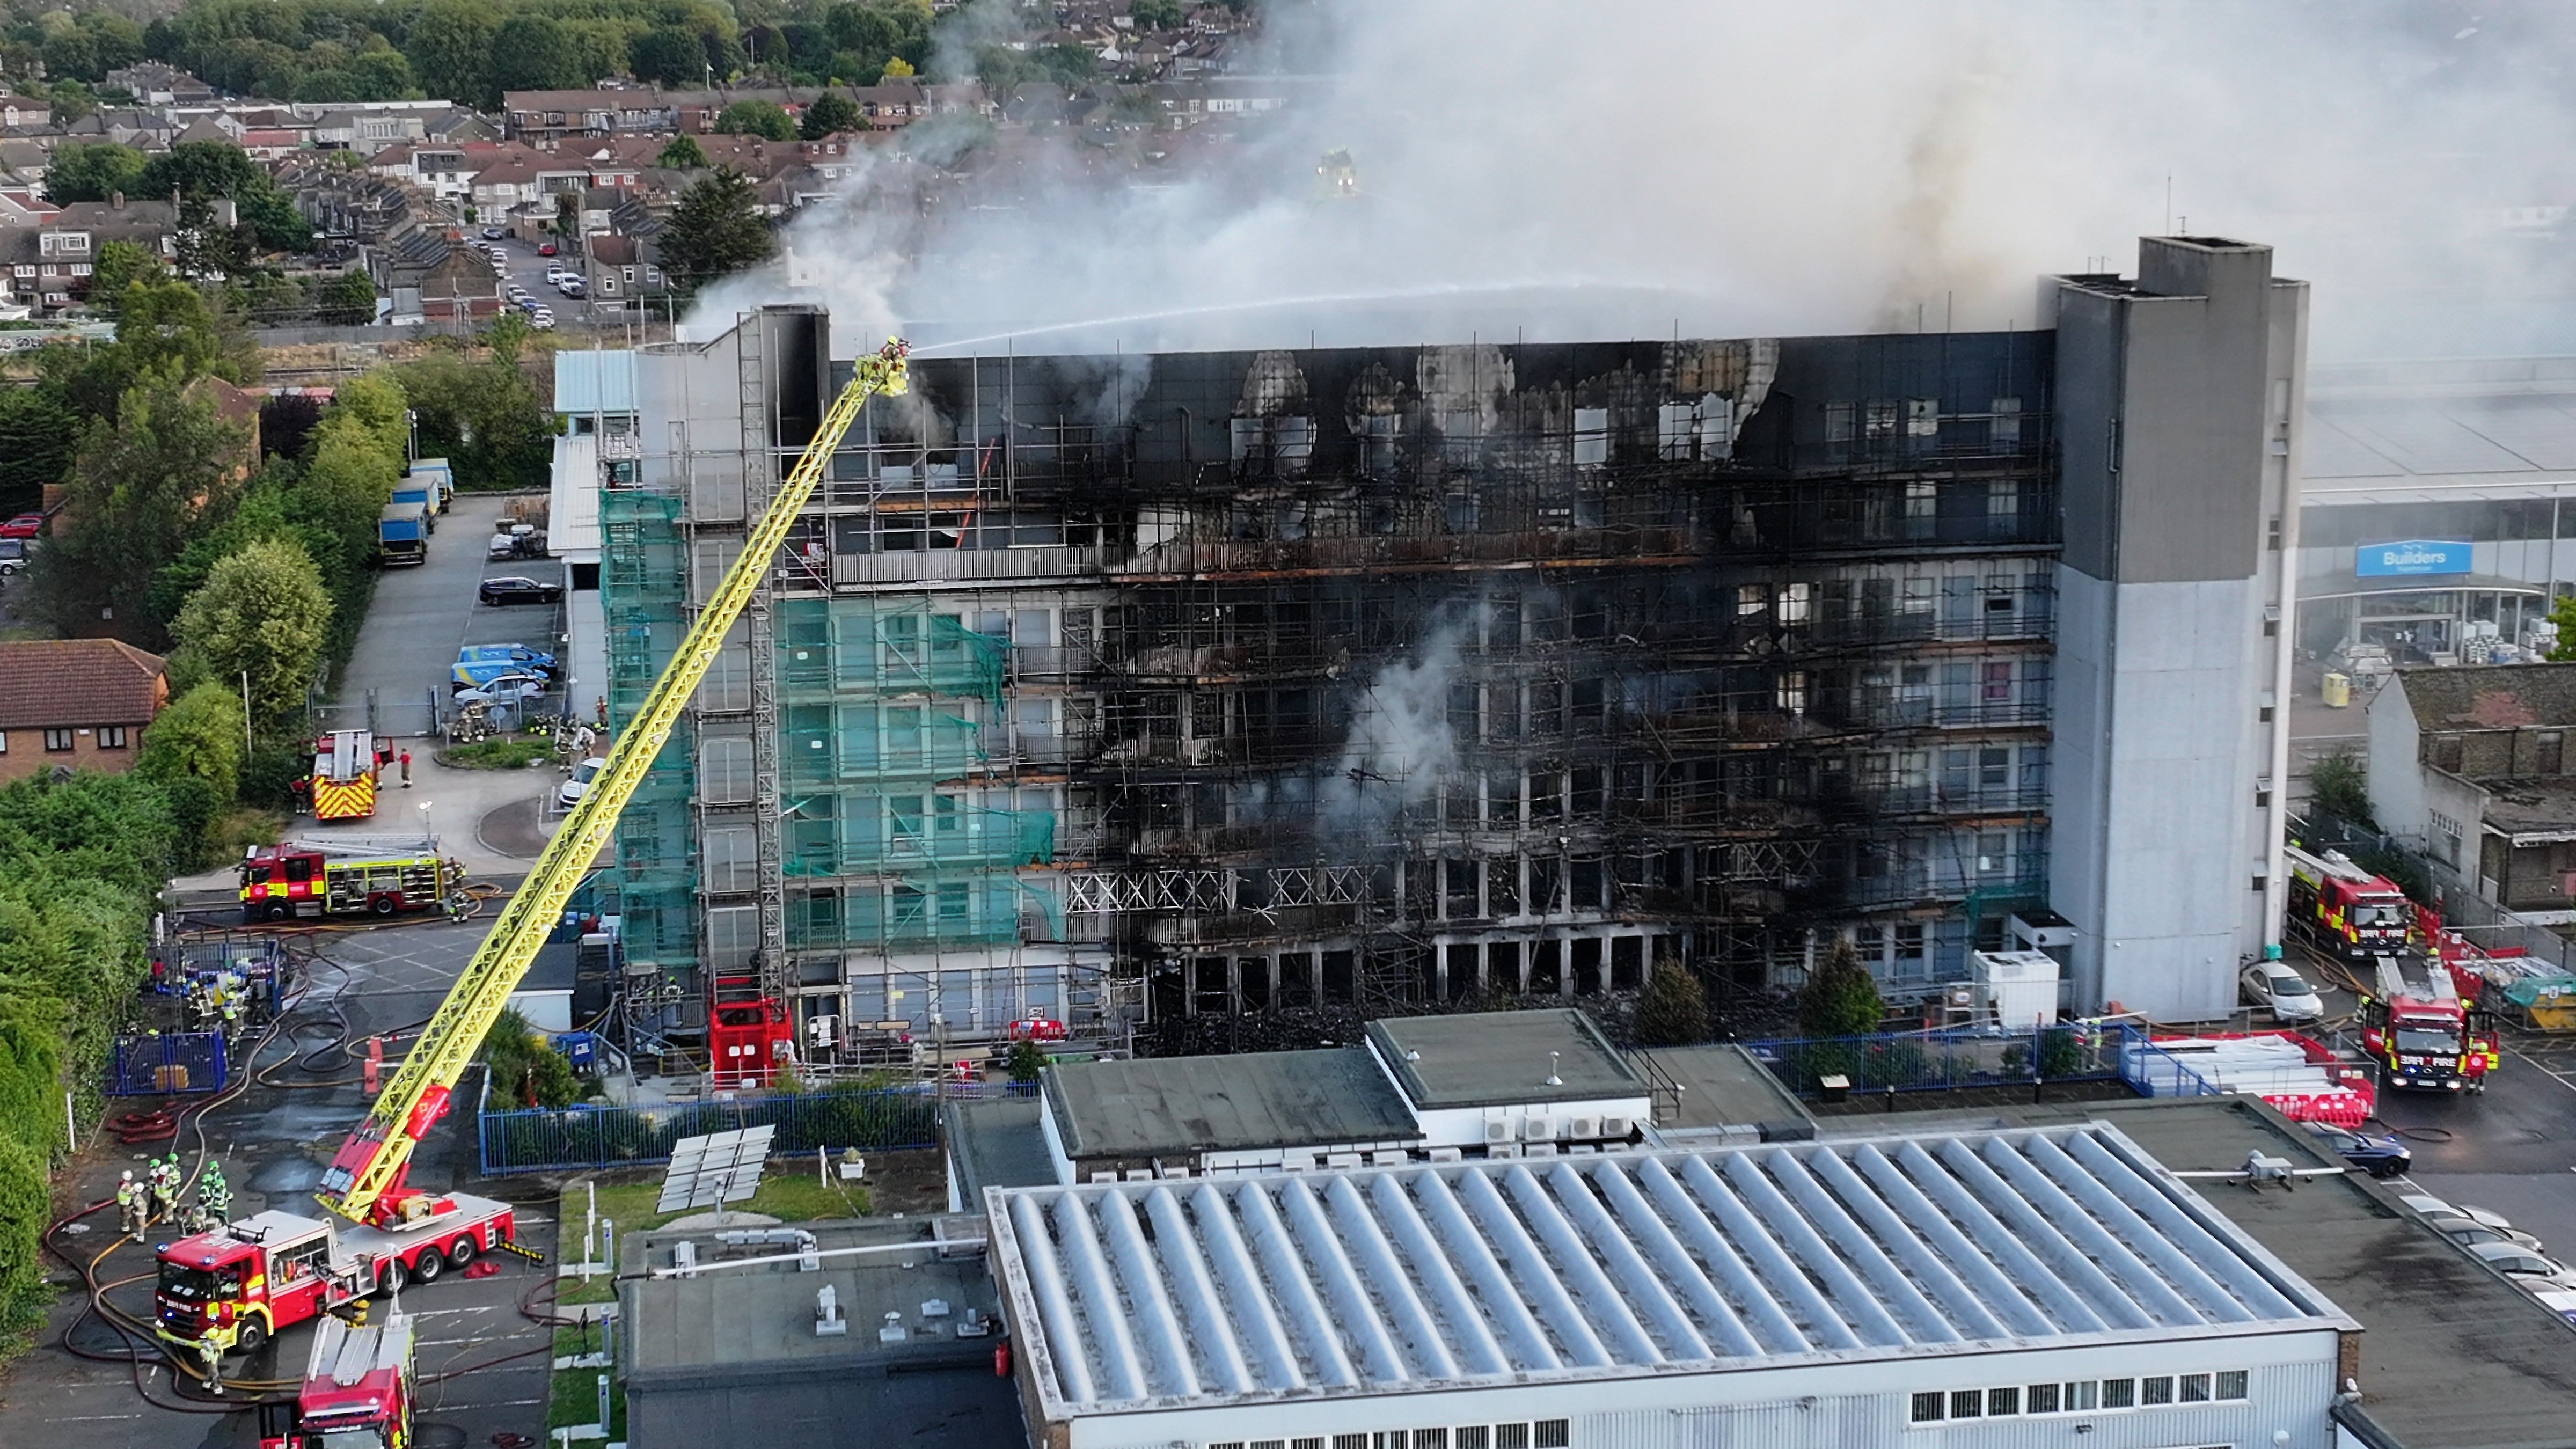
{"x": 2421, "y": 1033}
{"x": 2343, "y": 908}
{"x": 246, "y": 1280}
{"x": 299, "y": 878}
{"x": 345, "y": 765}
{"x": 356, "y": 1393}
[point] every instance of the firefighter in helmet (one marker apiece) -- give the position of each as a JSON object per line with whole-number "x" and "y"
{"x": 129, "y": 1206}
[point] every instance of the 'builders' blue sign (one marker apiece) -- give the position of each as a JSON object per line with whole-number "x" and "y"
{"x": 2415, "y": 556}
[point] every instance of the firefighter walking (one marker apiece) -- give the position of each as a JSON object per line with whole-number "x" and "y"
{"x": 131, "y": 1206}
{"x": 214, "y": 1197}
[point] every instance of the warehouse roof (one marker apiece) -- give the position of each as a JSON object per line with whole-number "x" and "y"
{"x": 2490, "y": 696}
{"x": 1487, "y": 1058}
{"x": 1175, "y": 1294}
{"x": 1214, "y": 1104}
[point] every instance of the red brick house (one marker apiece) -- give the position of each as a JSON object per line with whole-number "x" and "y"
{"x": 80, "y": 703}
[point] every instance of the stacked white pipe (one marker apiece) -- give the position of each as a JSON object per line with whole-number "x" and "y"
{"x": 2281, "y": 1070}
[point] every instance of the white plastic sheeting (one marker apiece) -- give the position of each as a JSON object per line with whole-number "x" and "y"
{"x": 1424, "y": 1276}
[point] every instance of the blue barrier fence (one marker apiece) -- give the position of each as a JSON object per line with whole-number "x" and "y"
{"x": 598, "y": 1135}
{"x": 167, "y": 1064}
{"x": 2151, "y": 1071}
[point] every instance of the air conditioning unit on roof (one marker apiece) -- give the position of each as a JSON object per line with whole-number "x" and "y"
{"x": 1500, "y": 1129}
{"x": 1583, "y": 1129}
{"x": 1538, "y": 1129}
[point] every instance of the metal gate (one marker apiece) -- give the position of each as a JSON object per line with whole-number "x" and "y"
{"x": 167, "y": 1064}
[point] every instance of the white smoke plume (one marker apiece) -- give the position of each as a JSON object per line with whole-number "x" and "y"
{"x": 1551, "y": 169}
{"x": 1400, "y": 750}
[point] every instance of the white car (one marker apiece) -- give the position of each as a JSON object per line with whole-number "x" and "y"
{"x": 555, "y": 273}
{"x": 2524, "y": 1266}
{"x": 503, "y": 688}
{"x": 2468, "y": 1234}
{"x": 2435, "y": 1208}
{"x": 2281, "y": 991}
{"x": 569, "y": 793}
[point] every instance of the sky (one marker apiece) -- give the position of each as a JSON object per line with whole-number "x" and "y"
{"x": 1550, "y": 169}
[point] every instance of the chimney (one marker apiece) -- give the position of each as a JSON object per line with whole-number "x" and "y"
{"x": 116, "y": 201}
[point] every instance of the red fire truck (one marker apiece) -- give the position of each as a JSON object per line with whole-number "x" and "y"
{"x": 356, "y": 1393}
{"x": 2342, "y": 908}
{"x": 300, "y": 879}
{"x": 246, "y": 1280}
{"x": 2421, "y": 1033}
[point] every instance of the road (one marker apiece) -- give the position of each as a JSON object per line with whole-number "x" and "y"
{"x": 270, "y": 1142}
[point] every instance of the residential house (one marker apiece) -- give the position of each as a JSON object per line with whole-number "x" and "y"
{"x": 143, "y": 130}
{"x": 17, "y": 111}
{"x": 433, "y": 278}
{"x": 544, "y": 118}
{"x": 75, "y": 704}
{"x": 623, "y": 268}
{"x": 345, "y": 205}
{"x": 210, "y": 128}
{"x": 2471, "y": 766}
{"x": 457, "y": 126}
{"x": 50, "y": 264}
{"x": 271, "y": 144}
{"x": 366, "y": 131}
{"x": 23, "y": 161}
{"x": 158, "y": 83}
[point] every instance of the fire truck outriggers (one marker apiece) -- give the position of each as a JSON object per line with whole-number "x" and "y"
{"x": 2421, "y": 1033}
{"x": 244, "y": 1281}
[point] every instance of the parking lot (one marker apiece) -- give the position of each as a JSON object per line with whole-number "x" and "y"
{"x": 397, "y": 681}
{"x": 483, "y": 1362}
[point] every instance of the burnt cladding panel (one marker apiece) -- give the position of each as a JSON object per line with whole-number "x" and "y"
{"x": 1963, "y": 372}
{"x": 799, "y": 346}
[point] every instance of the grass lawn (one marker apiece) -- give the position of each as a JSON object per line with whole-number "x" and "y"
{"x": 791, "y": 1198}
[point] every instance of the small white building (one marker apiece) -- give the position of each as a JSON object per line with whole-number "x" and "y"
{"x": 2012, "y": 1287}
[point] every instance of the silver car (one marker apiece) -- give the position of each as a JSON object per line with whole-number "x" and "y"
{"x": 2524, "y": 1266}
{"x": 2283, "y": 992}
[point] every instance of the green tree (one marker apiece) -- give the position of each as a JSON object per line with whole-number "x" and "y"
{"x": 166, "y": 326}
{"x": 139, "y": 487}
{"x": 714, "y": 231}
{"x": 2339, "y": 785}
{"x": 92, "y": 173}
{"x": 200, "y": 170}
{"x": 830, "y": 114}
{"x": 1674, "y": 1010}
{"x": 1839, "y": 998}
{"x": 450, "y": 49}
{"x": 483, "y": 416}
{"x": 765, "y": 119}
{"x": 669, "y": 55}
{"x": 682, "y": 153}
{"x": 897, "y": 68}
{"x": 1027, "y": 1060}
{"x": 1155, "y": 14}
{"x": 533, "y": 52}
{"x": 199, "y": 735}
{"x": 37, "y": 438}
{"x": 262, "y": 613}
{"x": 348, "y": 300}
{"x": 2561, "y": 613}
{"x": 523, "y": 1068}
{"x": 119, "y": 265}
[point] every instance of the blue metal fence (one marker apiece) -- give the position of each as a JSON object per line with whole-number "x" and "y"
{"x": 1931, "y": 1061}
{"x": 167, "y": 1064}
{"x": 595, "y": 1135}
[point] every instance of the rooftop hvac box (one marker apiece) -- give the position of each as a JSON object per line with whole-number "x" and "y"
{"x": 2019, "y": 987}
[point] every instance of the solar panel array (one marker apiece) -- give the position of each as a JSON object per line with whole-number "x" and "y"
{"x": 1408, "y": 1278}
{"x": 720, "y": 1167}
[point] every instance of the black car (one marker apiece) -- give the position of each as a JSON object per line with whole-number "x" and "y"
{"x": 2378, "y": 1156}
{"x": 515, "y": 590}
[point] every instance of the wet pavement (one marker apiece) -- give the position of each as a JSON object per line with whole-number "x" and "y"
{"x": 483, "y": 1362}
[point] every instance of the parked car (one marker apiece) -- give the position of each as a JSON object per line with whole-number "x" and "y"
{"x": 2468, "y": 1234}
{"x": 2558, "y": 1301}
{"x": 2436, "y": 1209}
{"x": 502, "y": 689}
{"x": 2281, "y": 991}
{"x": 545, "y": 249}
{"x": 542, "y": 320}
{"x": 571, "y": 287}
{"x": 13, "y": 555}
{"x": 569, "y": 793}
{"x": 518, "y": 589}
{"x": 25, "y": 525}
{"x": 517, "y": 293}
{"x": 2378, "y": 1156}
{"x": 493, "y": 233}
{"x": 536, "y": 661}
{"x": 2524, "y": 1266}
{"x": 555, "y": 273}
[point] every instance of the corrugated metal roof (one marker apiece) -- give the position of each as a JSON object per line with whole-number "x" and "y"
{"x": 594, "y": 381}
{"x": 1181, "y": 1293}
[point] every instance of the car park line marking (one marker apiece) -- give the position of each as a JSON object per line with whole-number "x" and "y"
{"x": 2564, "y": 1079}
